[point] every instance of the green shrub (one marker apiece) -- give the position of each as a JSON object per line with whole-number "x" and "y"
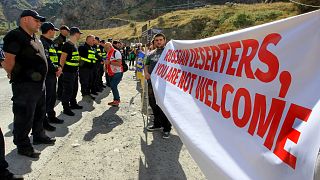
{"x": 243, "y": 20}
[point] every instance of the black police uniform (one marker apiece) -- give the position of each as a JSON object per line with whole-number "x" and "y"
{"x": 58, "y": 43}
{"x": 101, "y": 71}
{"x": 86, "y": 68}
{"x": 28, "y": 88}
{"x": 51, "y": 80}
{"x": 94, "y": 87}
{"x": 70, "y": 78}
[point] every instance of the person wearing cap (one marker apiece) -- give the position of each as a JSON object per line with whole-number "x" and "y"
{"x": 26, "y": 66}
{"x": 54, "y": 71}
{"x": 87, "y": 66}
{"x": 5, "y": 174}
{"x": 69, "y": 62}
{"x": 58, "y": 43}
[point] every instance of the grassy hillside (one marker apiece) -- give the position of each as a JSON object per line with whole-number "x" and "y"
{"x": 203, "y": 22}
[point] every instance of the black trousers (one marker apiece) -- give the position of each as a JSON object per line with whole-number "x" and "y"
{"x": 160, "y": 119}
{"x": 86, "y": 80}
{"x": 29, "y": 109}
{"x": 93, "y": 86}
{"x": 131, "y": 62}
{"x": 3, "y": 162}
{"x": 70, "y": 88}
{"x": 100, "y": 75}
{"x": 51, "y": 83}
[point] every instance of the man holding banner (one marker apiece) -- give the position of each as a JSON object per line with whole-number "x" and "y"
{"x": 246, "y": 104}
{"x": 160, "y": 119}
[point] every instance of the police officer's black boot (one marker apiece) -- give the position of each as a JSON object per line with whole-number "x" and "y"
{"x": 7, "y": 175}
{"x": 55, "y": 120}
{"x": 48, "y": 126}
{"x": 75, "y": 106}
{"x": 67, "y": 110}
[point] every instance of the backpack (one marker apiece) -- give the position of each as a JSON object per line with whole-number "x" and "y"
{"x": 124, "y": 65}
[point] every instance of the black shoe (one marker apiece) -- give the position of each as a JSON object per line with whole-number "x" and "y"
{"x": 30, "y": 152}
{"x": 93, "y": 98}
{"x": 166, "y": 135}
{"x": 94, "y": 93}
{"x": 103, "y": 86}
{"x": 68, "y": 112}
{"x": 55, "y": 120}
{"x": 43, "y": 140}
{"x": 15, "y": 177}
{"x": 153, "y": 128}
{"x": 7, "y": 175}
{"x": 76, "y": 106}
{"x": 48, "y": 127}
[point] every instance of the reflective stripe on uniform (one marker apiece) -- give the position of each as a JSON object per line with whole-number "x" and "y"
{"x": 74, "y": 61}
{"x": 53, "y": 55}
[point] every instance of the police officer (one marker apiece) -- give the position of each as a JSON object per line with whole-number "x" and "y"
{"x": 54, "y": 71}
{"x": 26, "y": 66}
{"x": 94, "y": 87}
{"x": 58, "y": 43}
{"x": 69, "y": 62}
{"x": 101, "y": 71}
{"x": 86, "y": 67}
{"x": 5, "y": 174}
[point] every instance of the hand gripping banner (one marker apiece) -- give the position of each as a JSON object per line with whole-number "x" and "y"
{"x": 246, "y": 104}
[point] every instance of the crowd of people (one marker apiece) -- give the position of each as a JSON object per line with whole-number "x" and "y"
{"x": 45, "y": 69}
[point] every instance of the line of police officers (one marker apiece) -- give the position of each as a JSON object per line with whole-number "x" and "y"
{"x": 33, "y": 65}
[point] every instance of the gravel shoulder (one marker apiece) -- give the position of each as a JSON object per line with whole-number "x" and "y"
{"x": 103, "y": 142}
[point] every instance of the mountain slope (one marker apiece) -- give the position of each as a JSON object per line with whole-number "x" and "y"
{"x": 203, "y": 22}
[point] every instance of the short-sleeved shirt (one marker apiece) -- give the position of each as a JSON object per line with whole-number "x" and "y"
{"x": 69, "y": 48}
{"x": 29, "y": 65}
{"x": 83, "y": 52}
{"x": 153, "y": 58}
{"x": 117, "y": 56}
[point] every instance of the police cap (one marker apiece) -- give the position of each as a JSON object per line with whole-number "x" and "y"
{"x": 74, "y": 30}
{"x": 46, "y": 26}
{"x": 32, "y": 13}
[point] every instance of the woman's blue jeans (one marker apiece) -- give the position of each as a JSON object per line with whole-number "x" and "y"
{"x": 114, "y": 81}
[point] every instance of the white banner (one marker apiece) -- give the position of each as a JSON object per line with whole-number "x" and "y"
{"x": 246, "y": 104}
